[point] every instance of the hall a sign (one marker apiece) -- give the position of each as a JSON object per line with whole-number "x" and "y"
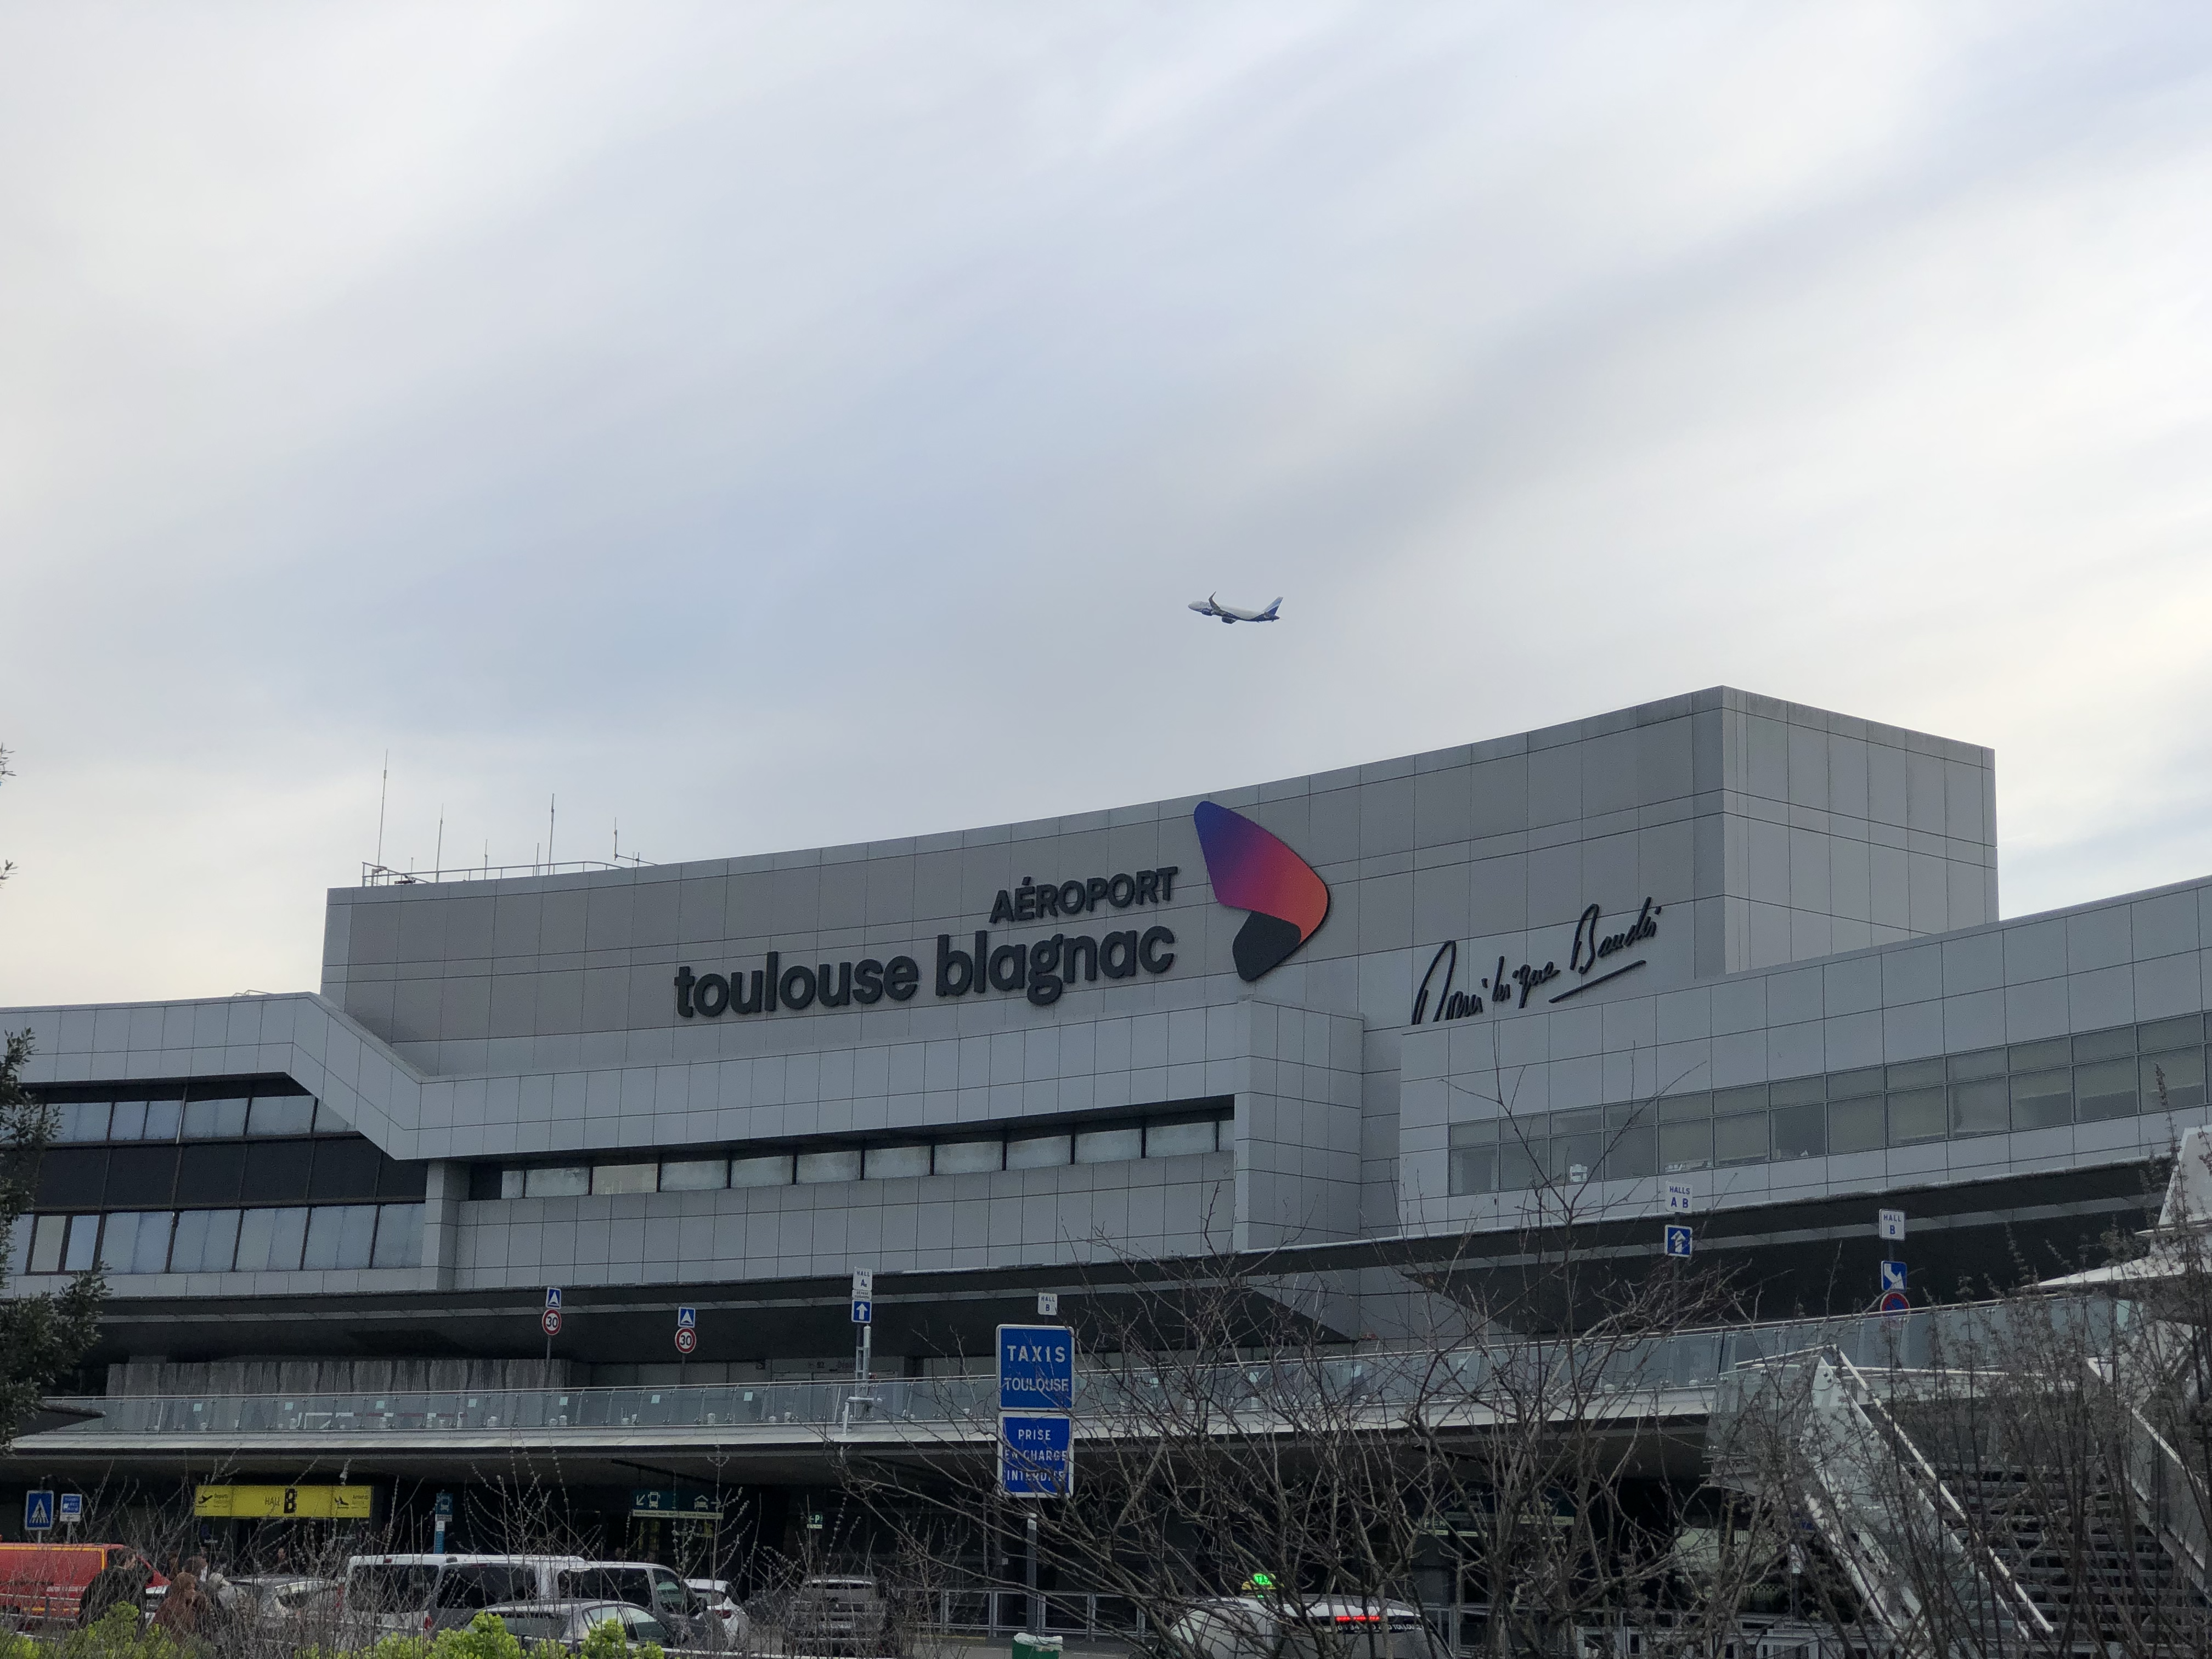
{"x": 1593, "y": 958}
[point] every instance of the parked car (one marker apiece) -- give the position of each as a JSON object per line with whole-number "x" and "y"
{"x": 723, "y": 1605}
{"x": 65, "y": 1581}
{"x": 652, "y": 1587}
{"x": 569, "y": 1620}
{"x": 279, "y": 1601}
{"x": 1317, "y": 1627}
{"x": 411, "y": 1594}
{"x": 835, "y": 1615}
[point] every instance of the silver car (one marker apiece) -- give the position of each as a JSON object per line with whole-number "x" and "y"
{"x": 568, "y": 1622}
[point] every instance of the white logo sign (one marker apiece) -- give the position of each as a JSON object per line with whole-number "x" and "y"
{"x": 1678, "y": 1198}
{"x": 1889, "y": 1223}
{"x": 863, "y": 1284}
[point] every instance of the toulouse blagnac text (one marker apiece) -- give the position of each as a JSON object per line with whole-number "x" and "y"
{"x": 1041, "y": 969}
{"x": 1592, "y": 946}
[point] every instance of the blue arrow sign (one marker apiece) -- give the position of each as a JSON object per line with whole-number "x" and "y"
{"x": 1037, "y": 1455}
{"x": 1036, "y": 1368}
{"x": 38, "y": 1511}
{"x": 1892, "y": 1276}
{"x": 1678, "y": 1241}
{"x": 864, "y": 1313}
{"x": 72, "y": 1509}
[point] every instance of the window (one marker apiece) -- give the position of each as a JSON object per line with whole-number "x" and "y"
{"x": 210, "y": 1175}
{"x": 2034, "y": 1056}
{"x": 1986, "y": 1063}
{"x": 49, "y": 1233}
{"x": 71, "y": 1177}
{"x": 625, "y": 1178}
{"x": 1857, "y": 1126}
{"x": 83, "y": 1249}
{"x": 215, "y": 1120}
{"x": 1474, "y": 1157}
{"x": 772, "y": 1170}
{"x": 892, "y": 1162}
{"x": 141, "y": 1177}
{"x": 276, "y": 1172}
{"x": 557, "y": 1181}
{"x": 2042, "y": 1100}
{"x": 269, "y": 1240}
{"x": 81, "y": 1120}
{"x": 399, "y": 1236}
{"x": 2104, "y": 1091}
{"x": 1800, "y": 1131}
{"x": 696, "y": 1175}
{"x": 1686, "y": 1133}
{"x": 328, "y": 1122}
{"x": 1179, "y": 1139}
{"x": 838, "y": 1163}
{"x": 968, "y": 1156}
{"x": 344, "y": 1169}
{"x": 1980, "y": 1108}
{"x": 2105, "y": 1045}
{"x": 1116, "y": 1145}
{"x": 1039, "y": 1152}
{"x": 280, "y": 1114}
{"x": 138, "y": 1242}
{"x": 2181, "y": 1073}
{"x": 1917, "y": 1114}
{"x": 129, "y": 1122}
{"x": 206, "y": 1241}
{"x": 164, "y": 1119}
{"x": 1740, "y": 1140}
{"x": 340, "y": 1237}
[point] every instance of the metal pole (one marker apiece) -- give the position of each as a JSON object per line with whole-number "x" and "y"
{"x": 1036, "y": 1602}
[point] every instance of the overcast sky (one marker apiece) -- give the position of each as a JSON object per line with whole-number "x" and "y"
{"x": 772, "y": 426}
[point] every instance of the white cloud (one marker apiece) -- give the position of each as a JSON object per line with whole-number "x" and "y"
{"x": 795, "y": 425}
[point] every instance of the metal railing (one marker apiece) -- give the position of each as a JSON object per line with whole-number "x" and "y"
{"x": 380, "y": 875}
{"x": 1686, "y": 1364}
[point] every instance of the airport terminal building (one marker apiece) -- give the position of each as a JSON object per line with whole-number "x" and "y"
{"x": 1356, "y": 1019}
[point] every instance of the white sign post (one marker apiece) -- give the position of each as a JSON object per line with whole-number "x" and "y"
{"x": 864, "y": 1317}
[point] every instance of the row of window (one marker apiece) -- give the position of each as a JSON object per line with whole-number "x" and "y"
{"x": 1165, "y": 1137}
{"x": 2028, "y": 1086}
{"x": 225, "y": 1117}
{"x": 222, "y": 1241}
{"x": 330, "y": 1170}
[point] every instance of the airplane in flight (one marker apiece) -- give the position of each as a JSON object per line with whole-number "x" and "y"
{"x": 1210, "y": 607}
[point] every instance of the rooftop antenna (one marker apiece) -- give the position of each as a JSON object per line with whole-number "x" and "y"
{"x": 381, "y": 795}
{"x": 439, "y": 862}
{"x": 617, "y": 841}
{"x": 551, "y": 801}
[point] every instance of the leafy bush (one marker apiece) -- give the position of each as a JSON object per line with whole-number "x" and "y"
{"x": 118, "y": 1634}
{"x": 610, "y": 1641}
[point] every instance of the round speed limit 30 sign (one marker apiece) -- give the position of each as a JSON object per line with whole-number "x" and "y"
{"x": 551, "y": 1319}
{"x": 686, "y": 1339}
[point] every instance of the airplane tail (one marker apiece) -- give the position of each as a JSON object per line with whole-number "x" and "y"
{"x": 1268, "y": 614}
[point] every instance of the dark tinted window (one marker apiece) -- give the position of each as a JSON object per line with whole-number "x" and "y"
{"x": 70, "y": 1177}
{"x": 210, "y": 1175}
{"x": 485, "y": 1586}
{"x": 141, "y": 1177}
{"x": 344, "y": 1169}
{"x": 483, "y": 1181}
{"x": 276, "y": 1171}
{"x": 397, "y": 1180}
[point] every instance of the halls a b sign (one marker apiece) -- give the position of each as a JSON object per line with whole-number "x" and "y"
{"x": 1599, "y": 952}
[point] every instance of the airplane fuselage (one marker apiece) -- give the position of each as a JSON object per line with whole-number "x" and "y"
{"x": 1211, "y": 606}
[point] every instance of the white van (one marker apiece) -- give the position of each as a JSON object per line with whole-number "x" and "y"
{"x": 415, "y": 1594}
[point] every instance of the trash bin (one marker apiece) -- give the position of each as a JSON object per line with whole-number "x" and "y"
{"x": 1027, "y": 1646}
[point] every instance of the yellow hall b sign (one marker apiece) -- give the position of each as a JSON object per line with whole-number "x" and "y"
{"x": 282, "y": 1502}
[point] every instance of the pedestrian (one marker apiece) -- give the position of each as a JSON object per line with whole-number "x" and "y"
{"x": 182, "y": 1607}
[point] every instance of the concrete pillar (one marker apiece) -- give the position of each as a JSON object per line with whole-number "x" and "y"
{"x": 441, "y": 1221}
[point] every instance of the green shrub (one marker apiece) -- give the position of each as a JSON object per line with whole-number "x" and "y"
{"x": 119, "y": 1635}
{"x": 611, "y": 1640}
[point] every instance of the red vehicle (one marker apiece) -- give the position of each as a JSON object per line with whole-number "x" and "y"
{"x": 49, "y": 1581}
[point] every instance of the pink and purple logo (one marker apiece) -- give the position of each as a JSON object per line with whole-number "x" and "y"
{"x": 1253, "y": 870}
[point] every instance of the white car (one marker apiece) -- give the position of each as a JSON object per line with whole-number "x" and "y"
{"x": 722, "y": 1607}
